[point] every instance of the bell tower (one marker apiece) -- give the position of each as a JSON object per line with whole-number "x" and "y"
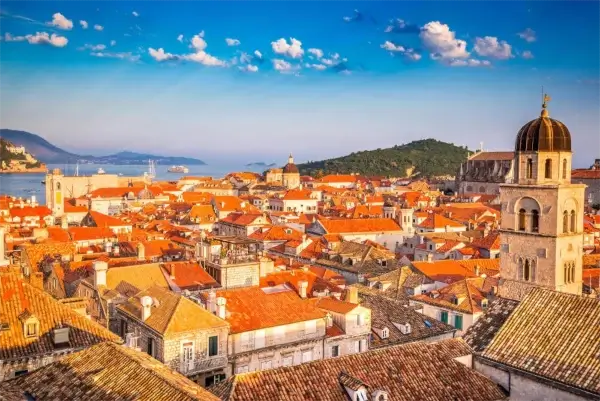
{"x": 541, "y": 230}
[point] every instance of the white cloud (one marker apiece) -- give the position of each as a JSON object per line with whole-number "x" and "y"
{"x": 198, "y": 43}
{"x": 442, "y": 42}
{"x": 180, "y": 38}
{"x": 409, "y": 53}
{"x": 40, "y": 38}
{"x": 258, "y": 54}
{"x": 490, "y": 46}
{"x": 249, "y": 68}
{"x": 123, "y": 56}
{"x": 528, "y": 35}
{"x": 527, "y": 54}
{"x": 317, "y": 52}
{"x": 135, "y": 14}
{"x": 232, "y": 42}
{"x": 204, "y": 58}
{"x": 319, "y": 67}
{"x": 469, "y": 63}
{"x": 293, "y": 49}
{"x": 98, "y": 27}
{"x": 83, "y": 24}
{"x": 245, "y": 58}
{"x": 113, "y": 42}
{"x": 62, "y": 22}
{"x": 281, "y": 65}
{"x": 94, "y": 48}
{"x": 392, "y": 47}
{"x": 334, "y": 59}
{"x": 161, "y": 55}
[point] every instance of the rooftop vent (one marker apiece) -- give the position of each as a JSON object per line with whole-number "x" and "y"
{"x": 61, "y": 335}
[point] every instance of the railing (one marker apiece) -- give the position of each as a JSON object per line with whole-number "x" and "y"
{"x": 234, "y": 260}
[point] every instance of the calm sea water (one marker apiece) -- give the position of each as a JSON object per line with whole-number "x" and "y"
{"x": 26, "y": 185}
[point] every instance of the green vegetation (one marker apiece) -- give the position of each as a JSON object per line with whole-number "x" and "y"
{"x": 424, "y": 158}
{"x": 6, "y": 157}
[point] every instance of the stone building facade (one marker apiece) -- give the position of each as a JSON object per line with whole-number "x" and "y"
{"x": 542, "y": 214}
{"x": 483, "y": 172}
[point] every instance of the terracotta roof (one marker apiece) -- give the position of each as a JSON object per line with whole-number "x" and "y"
{"x": 341, "y": 226}
{"x": 197, "y": 197}
{"x": 554, "y": 335}
{"x": 252, "y": 309}
{"x": 335, "y": 305}
{"x": 292, "y": 277}
{"x": 585, "y": 174}
{"x": 30, "y": 211}
{"x": 90, "y": 233}
{"x": 411, "y": 372}
{"x": 19, "y": 298}
{"x": 449, "y": 271}
{"x": 103, "y": 220}
{"x": 493, "y": 156}
{"x": 173, "y": 313}
{"x": 108, "y": 372}
{"x": 298, "y": 194}
{"x": 479, "y": 335}
{"x": 141, "y": 276}
{"x": 189, "y": 275}
{"x": 469, "y": 294}
{"x": 37, "y": 252}
{"x": 204, "y": 213}
{"x": 338, "y": 178}
{"x": 435, "y": 220}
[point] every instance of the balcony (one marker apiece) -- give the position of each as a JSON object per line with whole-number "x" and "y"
{"x": 229, "y": 250}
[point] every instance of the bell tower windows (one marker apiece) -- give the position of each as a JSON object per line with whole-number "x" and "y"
{"x": 564, "y": 169}
{"x": 522, "y": 220}
{"x": 548, "y": 169}
{"x": 565, "y": 222}
{"x": 526, "y": 269}
{"x": 535, "y": 221}
{"x": 529, "y": 168}
{"x": 569, "y": 272}
{"x": 573, "y": 221}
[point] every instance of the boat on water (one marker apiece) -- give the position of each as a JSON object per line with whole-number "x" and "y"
{"x": 178, "y": 169}
{"x": 101, "y": 171}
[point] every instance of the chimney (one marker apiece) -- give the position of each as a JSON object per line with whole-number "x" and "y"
{"x": 61, "y": 335}
{"x": 302, "y": 287}
{"x": 329, "y": 320}
{"x": 64, "y": 223}
{"x": 172, "y": 269}
{"x": 100, "y": 269}
{"x": 430, "y": 257}
{"x": 304, "y": 238}
{"x": 477, "y": 270}
{"x": 146, "y": 302}
{"x": 211, "y": 302}
{"x": 141, "y": 251}
{"x": 221, "y": 310}
{"x": 33, "y": 201}
{"x": 3, "y": 261}
{"x": 116, "y": 250}
{"x": 352, "y": 295}
{"x": 108, "y": 247}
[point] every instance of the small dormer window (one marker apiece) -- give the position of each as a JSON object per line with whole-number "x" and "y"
{"x": 361, "y": 395}
{"x": 31, "y": 330}
{"x": 484, "y": 303}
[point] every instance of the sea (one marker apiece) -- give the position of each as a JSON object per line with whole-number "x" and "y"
{"x": 30, "y": 184}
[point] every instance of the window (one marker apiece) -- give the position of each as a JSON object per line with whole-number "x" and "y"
{"x": 20, "y": 373}
{"x": 150, "y": 348}
{"x": 31, "y": 330}
{"x": 526, "y": 270}
{"x": 310, "y": 327}
{"x": 335, "y": 351}
{"x": 210, "y": 380}
{"x": 188, "y": 356}
{"x": 548, "y": 168}
{"x": 565, "y": 221}
{"x": 573, "y": 222}
{"x": 569, "y": 272}
{"x": 58, "y": 186}
{"x": 535, "y": 221}
{"x": 529, "y": 168}
{"x": 287, "y": 361}
{"x": 360, "y": 320}
{"x": 245, "y": 340}
{"x": 458, "y": 322}
{"x": 444, "y": 317}
{"x": 213, "y": 345}
{"x": 564, "y": 172}
{"x": 259, "y": 339}
{"x": 242, "y": 369}
{"x": 522, "y": 220}
{"x": 266, "y": 365}
{"x": 306, "y": 356}
{"x": 361, "y": 395}
{"x": 279, "y": 333}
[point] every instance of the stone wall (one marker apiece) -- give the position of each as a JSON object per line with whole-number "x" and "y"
{"x": 10, "y": 369}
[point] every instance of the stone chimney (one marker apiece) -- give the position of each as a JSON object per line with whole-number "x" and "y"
{"x": 100, "y": 269}
{"x": 352, "y": 295}
{"x": 3, "y": 261}
{"x": 302, "y": 288}
{"x": 221, "y": 309}
{"x": 211, "y": 302}
{"x": 141, "y": 251}
{"x": 146, "y": 302}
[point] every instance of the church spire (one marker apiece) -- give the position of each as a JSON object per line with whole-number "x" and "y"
{"x": 545, "y": 99}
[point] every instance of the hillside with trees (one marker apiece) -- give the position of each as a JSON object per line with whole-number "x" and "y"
{"x": 422, "y": 158}
{"x": 17, "y": 159}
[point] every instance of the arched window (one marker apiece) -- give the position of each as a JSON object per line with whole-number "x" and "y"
{"x": 520, "y": 269}
{"x": 535, "y": 221}
{"x": 526, "y": 270}
{"x": 573, "y": 223}
{"x": 522, "y": 220}
{"x": 529, "y": 168}
{"x": 548, "y": 168}
{"x": 58, "y": 186}
{"x": 565, "y": 222}
{"x": 564, "y": 175}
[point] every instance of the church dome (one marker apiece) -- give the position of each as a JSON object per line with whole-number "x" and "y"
{"x": 290, "y": 168}
{"x": 543, "y": 134}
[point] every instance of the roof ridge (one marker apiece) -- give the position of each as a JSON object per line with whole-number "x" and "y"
{"x": 179, "y": 296}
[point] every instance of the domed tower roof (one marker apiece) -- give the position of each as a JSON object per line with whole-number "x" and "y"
{"x": 543, "y": 134}
{"x": 290, "y": 167}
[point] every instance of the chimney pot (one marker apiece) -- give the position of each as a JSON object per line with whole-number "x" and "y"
{"x": 100, "y": 268}
{"x": 221, "y": 307}
{"x": 146, "y": 302}
{"x": 302, "y": 287}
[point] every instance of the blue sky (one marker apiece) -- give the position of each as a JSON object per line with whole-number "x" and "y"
{"x": 257, "y": 80}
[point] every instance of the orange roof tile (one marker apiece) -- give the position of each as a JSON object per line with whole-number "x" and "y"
{"x": 341, "y": 226}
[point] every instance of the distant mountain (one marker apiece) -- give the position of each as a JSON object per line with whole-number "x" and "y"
{"x": 260, "y": 164}
{"x": 45, "y": 152}
{"x": 423, "y": 158}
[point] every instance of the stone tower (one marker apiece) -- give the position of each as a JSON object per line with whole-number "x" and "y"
{"x": 291, "y": 174}
{"x": 541, "y": 229}
{"x": 54, "y": 192}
